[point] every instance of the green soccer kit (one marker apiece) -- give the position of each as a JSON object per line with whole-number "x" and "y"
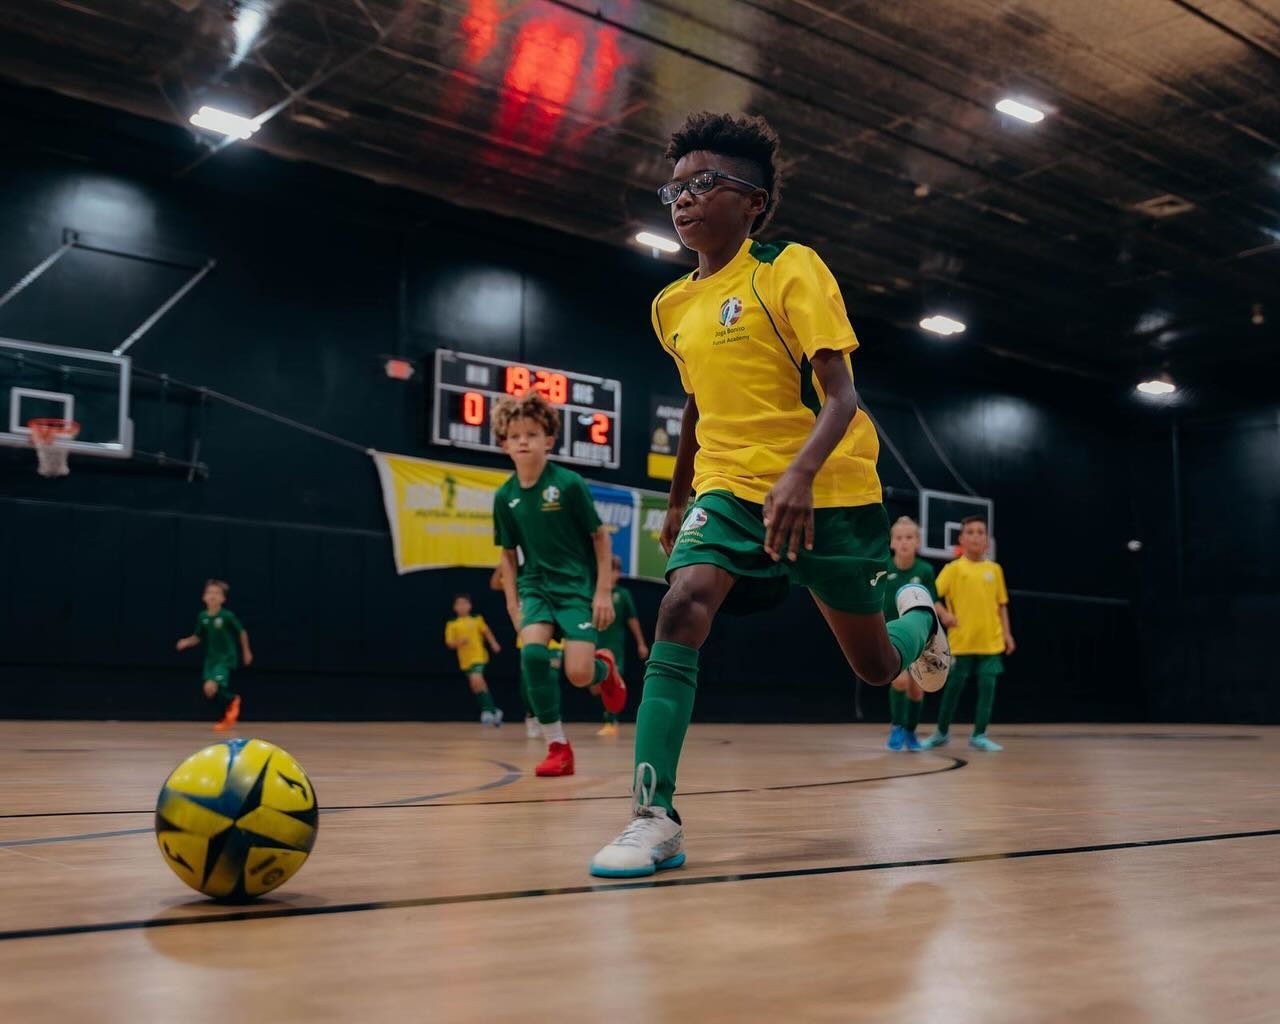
{"x": 614, "y": 638}
{"x": 219, "y": 633}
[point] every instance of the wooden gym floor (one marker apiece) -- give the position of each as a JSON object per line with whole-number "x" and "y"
{"x": 1086, "y": 874}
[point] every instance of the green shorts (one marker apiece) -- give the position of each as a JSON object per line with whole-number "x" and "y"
{"x": 851, "y": 547}
{"x": 219, "y": 672}
{"x": 965, "y": 665}
{"x": 475, "y": 670}
{"x": 572, "y": 615}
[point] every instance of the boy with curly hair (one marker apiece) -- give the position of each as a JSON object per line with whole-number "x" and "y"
{"x": 780, "y": 457}
{"x": 565, "y": 581}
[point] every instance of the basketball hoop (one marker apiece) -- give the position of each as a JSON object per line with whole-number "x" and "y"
{"x": 47, "y": 436}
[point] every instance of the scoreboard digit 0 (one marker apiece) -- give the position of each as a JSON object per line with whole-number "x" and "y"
{"x": 465, "y": 388}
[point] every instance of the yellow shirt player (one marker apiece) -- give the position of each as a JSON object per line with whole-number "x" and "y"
{"x": 976, "y": 614}
{"x": 466, "y": 635}
{"x": 779, "y": 455}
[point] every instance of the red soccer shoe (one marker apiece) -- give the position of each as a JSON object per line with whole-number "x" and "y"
{"x": 613, "y": 691}
{"x": 559, "y": 761}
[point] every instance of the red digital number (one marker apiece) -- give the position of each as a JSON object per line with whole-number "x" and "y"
{"x": 517, "y": 380}
{"x": 554, "y": 387}
{"x": 473, "y": 408}
{"x": 600, "y": 424}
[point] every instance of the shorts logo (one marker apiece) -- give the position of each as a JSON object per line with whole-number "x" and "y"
{"x": 730, "y": 311}
{"x": 695, "y": 520}
{"x": 878, "y": 577}
{"x": 584, "y": 625}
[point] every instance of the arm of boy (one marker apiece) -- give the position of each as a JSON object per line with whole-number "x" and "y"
{"x": 246, "y": 653}
{"x": 941, "y": 586}
{"x": 490, "y": 639}
{"x": 508, "y": 569}
{"x": 681, "y": 476}
{"x": 948, "y": 620}
{"x": 788, "y": 507}
{"x": 1009, "y": 645}
{"x": 188, "y": 642}
{"x": 602, "y": 604}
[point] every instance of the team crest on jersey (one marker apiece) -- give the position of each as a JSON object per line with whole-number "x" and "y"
{"x": 695, "y": 520}
{"x": 730, "y": 311}
{"x": 551, "y": 494}
{"x": 217, "y": 623}
{"x": 989, "y": 576}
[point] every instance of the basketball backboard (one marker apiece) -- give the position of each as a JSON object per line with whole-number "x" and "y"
{"x": 90, "y": 387}
{"x": 940, "y": 515}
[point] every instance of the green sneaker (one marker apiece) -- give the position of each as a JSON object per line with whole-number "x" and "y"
{"x": 938, "y": 739}
{"x": 980, "y": 742}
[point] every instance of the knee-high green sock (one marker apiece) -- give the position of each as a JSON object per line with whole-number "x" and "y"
{"x": 896, "y": 711}
{"x": 914, "y": 708}
{"x": 600, "y": 672}
{"x": 544, "y": 686}
{"x": 909, "y": 633}
{"x": 986, "y": 701}
{"x": 610, "y": 718}
{"x": 524, "y": 690}
{"x": 670, "y": 681}
{"x": 961, "y": 666}
{"x": 485, "y": 699}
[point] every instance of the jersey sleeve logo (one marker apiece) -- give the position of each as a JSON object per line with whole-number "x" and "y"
{"x": 730, "y": 311}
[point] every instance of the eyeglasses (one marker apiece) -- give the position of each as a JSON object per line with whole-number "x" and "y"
{"x": 703, "y": 181}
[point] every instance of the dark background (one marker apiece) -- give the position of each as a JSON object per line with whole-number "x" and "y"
{"x": 321, "y": 276}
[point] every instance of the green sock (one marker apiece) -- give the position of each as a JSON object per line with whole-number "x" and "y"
{"x": 897, "y": 714}
{"x": 670, "y": 681}
{"x": 600, "y": 673}
{"x": 610, "y": 718}
{"x": 914, "y": 707}
{"x": 485, "y": 699}
{"x": 961, "y": 665}
{"x": 909, "y": 633}
{"x": 544, "y": 687}
{"x": 986, "y": 700}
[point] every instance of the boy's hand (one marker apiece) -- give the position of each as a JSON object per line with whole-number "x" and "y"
{"x": 186, "y": 642}
{"x": 671, "y": 528}
{"x": 602, "y": 614}
{"x": 495, "y": 647}
{"x": 947, "y": 619}
{"x": 1009, "y": 645}
{"x": 643, "y": 651}
{"x": 788, "y": 515}
{"x": 248, "y": 658}
{"x": 513, "y": 610}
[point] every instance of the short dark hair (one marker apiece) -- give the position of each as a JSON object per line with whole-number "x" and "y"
{"x": 749, "y": 141}
{"x": 972, "y": 519}
{"x": 461, "y": 597}
{"x": 222, "y": 585}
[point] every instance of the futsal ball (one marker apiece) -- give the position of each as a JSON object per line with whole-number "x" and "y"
{"x": 237, "y": 819}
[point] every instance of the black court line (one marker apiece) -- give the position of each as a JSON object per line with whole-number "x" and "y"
{"x": 599, "y": 888}
{"x": 417, "y": 801}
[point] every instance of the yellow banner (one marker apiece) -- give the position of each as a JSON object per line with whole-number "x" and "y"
{"x": 440, "y": 514}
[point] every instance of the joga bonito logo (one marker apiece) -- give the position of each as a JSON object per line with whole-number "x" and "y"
{"x": 730, "y": 311}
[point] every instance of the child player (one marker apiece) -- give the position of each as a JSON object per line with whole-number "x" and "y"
{"x": 546, "y": 511}
{"x": 219, "y": 628}
{"x": 614, "y": 639}
{"x": 976, "y": 615}
{"x": 466, "y": 635}
{"x": 782, "y": 460}
{"x": 906, "y": 698}
{"x": 532, "y": 729}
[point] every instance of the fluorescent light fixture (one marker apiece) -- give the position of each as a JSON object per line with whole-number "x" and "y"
{"x": 943, "y": 325}
{"x": 661, "y": 242}
{"x": 1022, "y": 111}
{"x": 1162, "y": 385}
{"x": 224, "y": 123}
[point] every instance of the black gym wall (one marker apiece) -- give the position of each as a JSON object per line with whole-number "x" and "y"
{"x": 318, "y": 277}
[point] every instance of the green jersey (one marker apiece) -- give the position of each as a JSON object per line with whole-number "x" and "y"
{"x": 895, "y": 579}
{"x": 615, "y": 637}
{"x": 219, "y": 633}
{"x": 552, "y": 523}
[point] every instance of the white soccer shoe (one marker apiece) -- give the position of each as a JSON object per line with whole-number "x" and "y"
{"x": 931, "y": 668}
{"x": 654, "y": 841}
{"x": 532, "y": 729}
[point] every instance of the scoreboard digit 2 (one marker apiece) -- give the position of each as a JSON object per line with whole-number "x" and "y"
{"x": 465, "y": 388}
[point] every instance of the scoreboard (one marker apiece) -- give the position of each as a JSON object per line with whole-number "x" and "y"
{"x": 465, "y": 388}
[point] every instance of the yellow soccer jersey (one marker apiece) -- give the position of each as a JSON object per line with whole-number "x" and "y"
{"x": 974, "y": 593}
{"x": 743, "y": 339}
{"x": 470, "y": 631}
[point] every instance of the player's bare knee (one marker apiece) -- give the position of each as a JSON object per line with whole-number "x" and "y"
{"x": 878, "y": 667}
{"x": 685, "y": 613}
{"x": 578, "y": 675}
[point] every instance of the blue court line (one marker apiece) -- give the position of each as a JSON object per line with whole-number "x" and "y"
{"x": 512, "y": 774}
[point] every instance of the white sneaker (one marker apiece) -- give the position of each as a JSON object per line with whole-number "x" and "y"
{"x": 654, "y": 841}
{"x": 486, "y": 718}
{"x": 532, "y": 729}
{"x": 931, "y": 668}
{"x": 495, "y": 719}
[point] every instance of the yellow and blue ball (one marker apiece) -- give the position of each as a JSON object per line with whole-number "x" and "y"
{"x": 237, "y": 819}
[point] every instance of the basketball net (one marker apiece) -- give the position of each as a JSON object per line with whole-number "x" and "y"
{"x": 48, "y": 437}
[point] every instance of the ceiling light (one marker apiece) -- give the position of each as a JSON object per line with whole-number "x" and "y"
{"x": 943, "y": 325}
{"x": 659, "y": 242}
{"x": 224, "y": 123}
{"x": 1022, "y": 111}
{"x": 1162, "y": 385}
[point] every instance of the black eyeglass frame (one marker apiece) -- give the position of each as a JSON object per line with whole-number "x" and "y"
{"x": 713, "y": 176}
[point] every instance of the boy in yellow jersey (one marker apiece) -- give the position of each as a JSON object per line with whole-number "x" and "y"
{"x": 782, "y": 460}
{"x": 466, "y": 635}
{"x": 977, "y": 619}
{"x": 906, "y": 698}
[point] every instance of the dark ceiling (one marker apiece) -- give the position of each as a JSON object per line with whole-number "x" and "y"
{"x": 1138, "y": 224}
